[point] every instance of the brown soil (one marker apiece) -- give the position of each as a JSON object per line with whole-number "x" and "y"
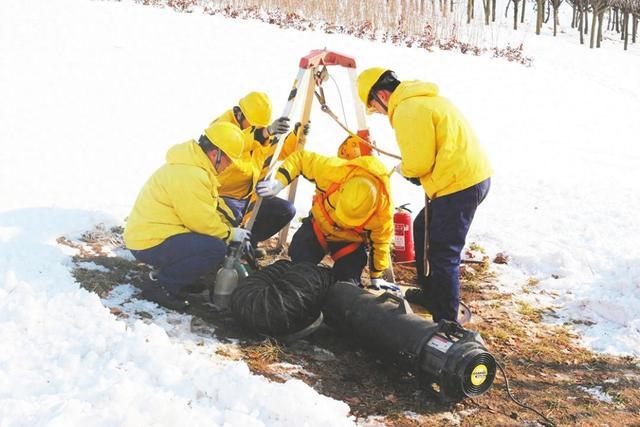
{"x": 547, "y": 369}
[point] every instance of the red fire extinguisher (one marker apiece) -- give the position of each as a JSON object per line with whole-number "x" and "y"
{"x": 403, "y": 238}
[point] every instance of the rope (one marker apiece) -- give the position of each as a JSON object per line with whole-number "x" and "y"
{"x": 325, "y": 108}
{"x": 344, "y": 113}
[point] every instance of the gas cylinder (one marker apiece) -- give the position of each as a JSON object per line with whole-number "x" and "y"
{"x": 403, "y": 250}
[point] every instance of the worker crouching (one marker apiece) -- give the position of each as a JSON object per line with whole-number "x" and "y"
{"x": 351, "y": 208}
{"x": 179, "y": 224}
{"x": 253, "y": 116}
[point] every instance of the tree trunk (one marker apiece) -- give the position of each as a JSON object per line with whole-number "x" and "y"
{"x": 600, "y": 19}
{"x": 555, "y": 20}
{"x": 609, "y": 20}
{"x": 635, "y": 29}
{"x": 451, "y": 6}
{"x": 616, "y": 19}
{"x": 548, "y": 9}
{"x": 573, "y": 16}
{"x": 594, "y": 18}
{"x": 623, "y": 24}
{"x": 487, "y": 11}
{"x": 469, "y": 9}
{"x": 515, "y": 15}
{"x": 493, "y": 10}
{"x": 539, "y": 15}
{"x": 580, "y": 25}
{"x": 586, "y": 18}
{"x": 524, "y": 3}
{"x": 626, "y": 29}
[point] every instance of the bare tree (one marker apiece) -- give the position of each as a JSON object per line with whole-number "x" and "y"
{"x": 598, "y": 7}
{"x": 487, "y": 11}
{"x": 470, "y": 5}
{"x": 523, "y": 8}
{"x": 515, "y": 12}
{"x": 556, "y": 4}
{"x": 539, "y": 15}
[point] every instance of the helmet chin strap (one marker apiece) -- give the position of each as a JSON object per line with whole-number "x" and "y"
{"x": 377, "y": 98}
{"x": 239, "y": 116}
{"x": 219, "y": 155}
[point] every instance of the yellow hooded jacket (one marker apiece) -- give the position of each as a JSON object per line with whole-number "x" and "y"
{"x": 325, "y": 171}
{"x": 238, "y": 180}
{"x": 437, "y": 144}
{"x": 180, "y": 197}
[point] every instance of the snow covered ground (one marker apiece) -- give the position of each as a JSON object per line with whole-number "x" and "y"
{"x": 93, "y": 93}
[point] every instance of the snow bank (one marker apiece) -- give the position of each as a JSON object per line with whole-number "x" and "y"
{"x": 67, "y": 361}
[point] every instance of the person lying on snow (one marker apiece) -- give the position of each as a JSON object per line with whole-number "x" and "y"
{"x": 351, "y": 207}
{"x": 179, "y": 224}
{"x": 439, "y": 151}
{"x": 237, "y": 182}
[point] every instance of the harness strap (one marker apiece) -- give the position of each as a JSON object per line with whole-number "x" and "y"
{"x": 340, "y": 253}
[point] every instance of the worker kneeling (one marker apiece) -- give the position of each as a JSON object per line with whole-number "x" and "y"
{"x": 351, "y": 208}
{"x": 178, "y": 223}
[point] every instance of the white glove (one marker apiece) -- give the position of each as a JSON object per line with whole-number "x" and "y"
{"x": 269, "y": 188}
{"x": 380, "y": 283}
{"x": 240, "y": 235}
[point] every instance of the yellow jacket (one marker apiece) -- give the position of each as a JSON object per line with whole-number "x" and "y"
{"x": 180, "y": 197}
{"x": 436, "y": 142}
{"x": 325, "y": 171}
{"x": 238, "y": 180}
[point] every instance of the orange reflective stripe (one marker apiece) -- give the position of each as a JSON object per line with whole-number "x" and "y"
{"x": 342, "y": 252}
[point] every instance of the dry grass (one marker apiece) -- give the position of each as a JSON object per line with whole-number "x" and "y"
{"x": 260, "y": 356}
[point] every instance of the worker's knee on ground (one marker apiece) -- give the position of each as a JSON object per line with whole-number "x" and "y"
{"x": 211, "y": 248}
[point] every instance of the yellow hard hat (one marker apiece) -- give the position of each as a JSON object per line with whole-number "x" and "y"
{"x": 352, "y": 147}
{"x": 357, "y": 201}
{"x": 366, "y": 80}
{"x": 256, "y": 107}
{"x": 228, "y": 138}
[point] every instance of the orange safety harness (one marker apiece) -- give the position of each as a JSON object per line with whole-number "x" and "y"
{"x": 319, "y": 199}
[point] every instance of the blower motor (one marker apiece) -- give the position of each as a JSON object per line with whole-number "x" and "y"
{"x": 448, "y": 360}
{"x": 455, "y": 364}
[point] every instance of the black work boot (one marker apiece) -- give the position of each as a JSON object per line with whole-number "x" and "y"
{"x": 155, "y": 291}
{"x": 418, "y": 297}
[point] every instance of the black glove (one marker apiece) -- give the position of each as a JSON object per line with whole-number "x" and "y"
{"x": 279, "y": 126}
{"x": 414, "y": 181}
{"x": 305, "y": 129}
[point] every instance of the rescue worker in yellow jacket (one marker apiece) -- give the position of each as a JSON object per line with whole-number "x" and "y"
{"x": 351, "y": 208}
{"x": 441, "y": 153}
{"x": 179, "y": 224}
{"x": 253, "y": 115}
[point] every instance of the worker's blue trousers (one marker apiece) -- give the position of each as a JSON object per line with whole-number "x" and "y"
{"x": 183, "y": 258}
{"x": 449, "y": 217}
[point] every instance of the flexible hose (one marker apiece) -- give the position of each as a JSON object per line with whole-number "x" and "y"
{"x": 282, "y": 298}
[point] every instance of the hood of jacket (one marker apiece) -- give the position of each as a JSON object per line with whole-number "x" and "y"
{"x": 410, "y": 89}
{"x": 189, "y": 153}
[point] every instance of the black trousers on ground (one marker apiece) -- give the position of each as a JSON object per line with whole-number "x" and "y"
{"x": 305, "y": 247}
